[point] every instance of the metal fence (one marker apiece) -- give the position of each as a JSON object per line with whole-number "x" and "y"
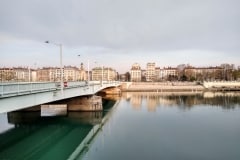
{"x": 21, "y": 88}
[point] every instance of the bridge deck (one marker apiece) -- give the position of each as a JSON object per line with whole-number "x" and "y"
{"x": 15, "y": 96}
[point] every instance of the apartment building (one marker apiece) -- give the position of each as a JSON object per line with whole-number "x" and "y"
{"x": 22, "y": 74}
{"x": 103, "y": 73}
{"x": 157, "y": 73}
{"x": 150, "y": 72}
{"x": 136, "y": 73}
{"x": 167, "y": 73}
{"x": 71, "y": 73}
{"x": 7, "y": 74}
{"x": 82, "y": 73}
{"x": 53, "y": 74}
{"x": 47, "y": 74}
{"x": 204, "y": 73}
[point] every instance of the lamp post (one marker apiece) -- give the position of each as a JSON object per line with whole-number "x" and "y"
{"x": 88, "y": 73}
{"x": 79, "y": 78}
{"x": 61, "y": 68}
{"x": 102, "y": 76}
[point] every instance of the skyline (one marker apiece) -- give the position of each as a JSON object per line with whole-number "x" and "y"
{"x": 118, "y": 34}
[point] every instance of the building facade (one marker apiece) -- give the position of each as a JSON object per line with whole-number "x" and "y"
{"x": 150, "y": 72}
{"x": 7, "y": 74}
{"x": 103, "y": 74}
{"x": 168, "y": 73}
{"x": 82, "y": 73}
{"x": 71, "y": 73}
{"x": 204, "y": 73}
{"x": 53, "y": 74}
{"x": 47, "y": 74}
{"x": 136, "y": 73}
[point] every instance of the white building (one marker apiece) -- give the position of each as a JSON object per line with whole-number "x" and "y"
{"x": 165, "y": 73}
{"x": 70, "y": 73}
{"x": 54, "y": 74}
{"x": 22, "y": 74}
{"x": 103, "y": 73}
{"x": 82, "y": 73}
{"x": 136, "y": 75}
{"x": 150, "y": 72}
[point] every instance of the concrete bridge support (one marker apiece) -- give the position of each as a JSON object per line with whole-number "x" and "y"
{"x": 111, "y": 91}
{"x": 86, "y": 103}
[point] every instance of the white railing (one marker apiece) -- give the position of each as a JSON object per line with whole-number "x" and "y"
{"x": 14, "y": 89}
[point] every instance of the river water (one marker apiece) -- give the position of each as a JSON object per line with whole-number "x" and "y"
{"x": 139, "y": 126}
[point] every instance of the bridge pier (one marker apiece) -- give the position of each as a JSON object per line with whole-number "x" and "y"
{"x": 111, "y": 91}
{"x": 86, "y": 103}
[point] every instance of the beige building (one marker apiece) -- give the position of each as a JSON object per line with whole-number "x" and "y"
{"x": 7, "y": 74}
{"x": 22, "y": 74}
{"x": 47, "y": 74}
{"x": 33, "y": 75}
{"x": 165, "y": 73}
{"x": 157, "y": 73}
{"x": 150, "y": 72}
{"x": 82, "y": 73}
{"x": 205, "y": 73}
{"x": 53, "y": 74}
{"x": 70, "y": 73}
{"x": 103, "y": 73}
{"x": 136, "y": 73}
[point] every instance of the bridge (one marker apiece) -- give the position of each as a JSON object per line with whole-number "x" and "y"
{"x": 16, "y": 96}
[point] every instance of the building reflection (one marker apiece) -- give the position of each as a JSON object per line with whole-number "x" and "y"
{"x": 151, "y": 102}
{"x": 187, "y": 100}
{"x": 136, "y": 101}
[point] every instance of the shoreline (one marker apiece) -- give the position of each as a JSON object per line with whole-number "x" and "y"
{"x": 170, "y": 87}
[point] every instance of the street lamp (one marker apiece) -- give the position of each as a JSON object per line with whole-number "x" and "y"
{"x": 61, "y": 68}
{"x": 88, "y": 73}
{"x": 102, "y": 75}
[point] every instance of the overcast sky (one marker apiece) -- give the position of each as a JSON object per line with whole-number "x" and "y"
{"x": 118, "y": 33}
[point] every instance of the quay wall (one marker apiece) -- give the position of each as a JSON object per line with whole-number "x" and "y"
{"x": 161, "y": 86}
{"x": 179, "y": 86}
{"x": 222, "y": 84}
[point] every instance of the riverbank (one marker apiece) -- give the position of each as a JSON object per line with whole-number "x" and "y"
{"x": 161, "y": 87}
{"x": 179, "y": 86}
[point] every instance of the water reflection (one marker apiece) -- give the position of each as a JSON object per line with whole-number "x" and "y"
{"x": 184, "y": 126}
{"x": 186, "y": 100}
{"x": 29, "y": 118}
{"x": 32, "y": 136}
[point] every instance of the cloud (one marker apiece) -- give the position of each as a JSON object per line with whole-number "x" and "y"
{"x": 160, "y": 24}
{"x": 126, "y": 27}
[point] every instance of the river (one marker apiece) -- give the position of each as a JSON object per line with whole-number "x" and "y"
{"x": 139, "y": 126}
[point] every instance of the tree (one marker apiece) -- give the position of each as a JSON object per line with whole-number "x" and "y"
{"x": 128, "y": 76}
{"x": 183, "y": 78}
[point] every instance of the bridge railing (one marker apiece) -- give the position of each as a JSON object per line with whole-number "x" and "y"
{"x": 14, "y": 89}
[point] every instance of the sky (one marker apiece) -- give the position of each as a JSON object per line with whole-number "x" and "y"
{"x": 119, "y": 33}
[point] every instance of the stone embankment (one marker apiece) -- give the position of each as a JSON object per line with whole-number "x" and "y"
{"x": 179, "y": 86}
{"x": 161, "y": 86}
{"x": 222, "y": 85}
